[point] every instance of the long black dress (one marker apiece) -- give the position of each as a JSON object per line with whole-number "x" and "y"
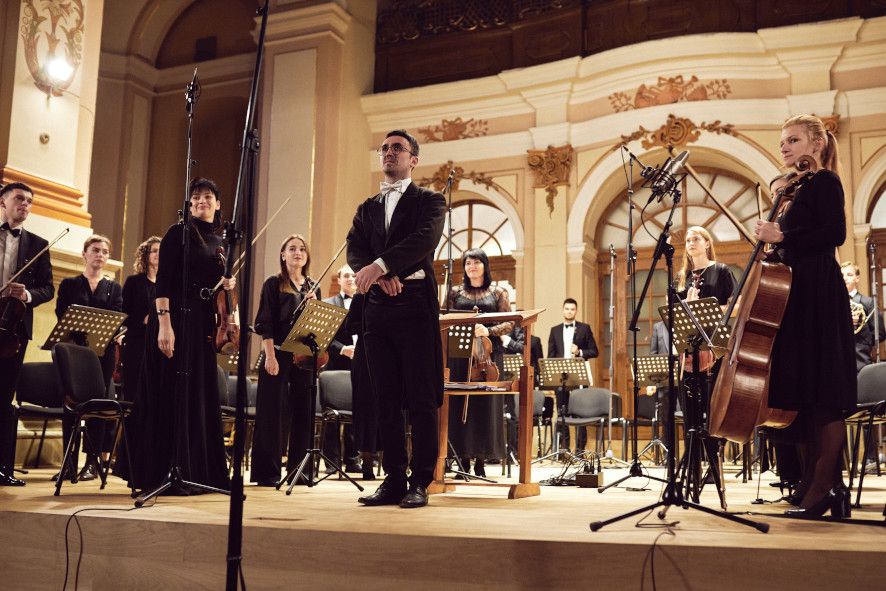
{"x": 482, "y": 436}
{"x": 107, "y": 296}
{"x": 139, "y": 294}
{"x": 813, "y": 358}
{"x": 160, "y": 396}
{"x": 274, "y": 320}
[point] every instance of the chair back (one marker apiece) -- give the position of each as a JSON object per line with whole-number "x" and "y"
{"x": 226, "y": 389}
{"x": 38, "y": 384}
{"x": 79, "y": 373}
{"x": 538, "y": 404}
{"x": 872, "y": 383}
{"x": 335, "y": 390}
{"x": 230, "y": 393}
{"x": 589, "y": 402}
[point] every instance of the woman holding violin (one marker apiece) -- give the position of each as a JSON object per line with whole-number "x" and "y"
{"x": 201, "y": 454}
{"x": 91, "y": 288}
{"x": 813, "y": 357}
{"x": 479, "y": 434}
{"x": 281, "y": 383}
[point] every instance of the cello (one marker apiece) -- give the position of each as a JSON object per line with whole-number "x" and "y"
{"x": 739, "y": 400}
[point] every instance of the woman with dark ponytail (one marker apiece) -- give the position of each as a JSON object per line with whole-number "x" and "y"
{"x": 813, "y": 357}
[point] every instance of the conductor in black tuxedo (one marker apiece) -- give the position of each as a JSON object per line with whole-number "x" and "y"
{"x": 33, "y": 287}
{"x": 571, "y": 339}
{"x": 862, "y": 325}
{"x": 341, "y": 352}
{"x": 391, "y": 247}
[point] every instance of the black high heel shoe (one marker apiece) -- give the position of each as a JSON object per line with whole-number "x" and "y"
{"x": 835, "y": 501}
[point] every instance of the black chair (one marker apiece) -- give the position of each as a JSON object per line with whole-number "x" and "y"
{"x": 227, "y": 392}
{"x": 38, "y": 396}
{"x": 542, "y": 423}
{"x": 337, "y": 404}
{"x": 83, "y": 388}
{"x": 589, "y": 407}
{"x": 870, "y": 411}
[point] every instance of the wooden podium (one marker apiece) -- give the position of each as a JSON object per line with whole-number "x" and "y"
{"x": 523, "y": 387}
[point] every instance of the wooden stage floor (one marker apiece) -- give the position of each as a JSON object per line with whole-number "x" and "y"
{"x": 474, "y": 538}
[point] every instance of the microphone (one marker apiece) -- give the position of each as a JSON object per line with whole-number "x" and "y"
{"x": 647, "y": 172}
{"x": 192, "y": 92}
{"x": 665, "y": 180}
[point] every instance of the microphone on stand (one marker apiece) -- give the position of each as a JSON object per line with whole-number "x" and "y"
{"x": 647, "y": 172}
{"x": 665, "y": 180}
{"x": 192, "y": 93}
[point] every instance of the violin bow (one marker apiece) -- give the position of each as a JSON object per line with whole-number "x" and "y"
{"x": 34, "y": 258}
{"x": 238, "y": 264}
{"x": 314, "y": 284}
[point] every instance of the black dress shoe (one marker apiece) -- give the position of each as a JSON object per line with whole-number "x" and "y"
{"x": 89, "y": 472}
{"x": 388, "y": 493}
{"x": 353, "y": 468}
{"x": 6, "y": 480}
{"x": 835, "y": 501}
{"x": 368, "y": 472}
{"x": 417, "y": 496}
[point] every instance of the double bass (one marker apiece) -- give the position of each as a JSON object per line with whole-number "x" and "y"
{"x": 739, "y": 401}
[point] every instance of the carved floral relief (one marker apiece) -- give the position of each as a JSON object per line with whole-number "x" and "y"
{"x": 670, "y": 90}
{"x": 551, "y": 168}
{"x": 52, "y": 29}
{"x": 455, "y": 129}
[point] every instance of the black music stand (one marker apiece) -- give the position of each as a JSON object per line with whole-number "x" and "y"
{"x": 311, "y": 335}
{"x": 511, "y": 363}
{"x": 693, "y": 323}
{"x": 83, "y": 325}
{"x": 560, "y": 373}
{"x": 652, "y": 370}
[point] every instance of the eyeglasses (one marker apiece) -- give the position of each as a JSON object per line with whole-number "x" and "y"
{"x": 396, "y": 149}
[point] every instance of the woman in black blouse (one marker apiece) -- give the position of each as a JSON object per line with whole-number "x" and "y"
{"x": 813, "y": 358}
{"x": 279, "y": 380}
{"x": 160, "y": 395}
{"x": 481, "y": 436}
{"x": 92, "y": 289}
{"x": 139, "y": 293}
{"x": 701, "y": 276}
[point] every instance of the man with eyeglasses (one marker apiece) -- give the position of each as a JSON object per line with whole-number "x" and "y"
{"x": 32, "y": 288}
{"x": 391, "y": 246}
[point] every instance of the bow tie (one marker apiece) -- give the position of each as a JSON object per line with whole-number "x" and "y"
{"x": 345, "y": 297}
{"x": 568, "y": 326}
{"x": 398, "y": 186}
{"x": 15, "y": 231}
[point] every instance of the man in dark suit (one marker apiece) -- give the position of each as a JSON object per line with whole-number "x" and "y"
{"x": 864, "y": 338}
{"x": 32, "y": 288}
{"x": 391, "y": 246}
{"x": 571, "y": 339}
{"x": 341, "y": 352}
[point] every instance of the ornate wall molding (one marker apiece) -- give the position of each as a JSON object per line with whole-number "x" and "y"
{"x": 441, "y": 177}
{"x": 51, "y": 199}
{"x": 831, "y": 122}
{"x": 670, "y": 90}
{"x": 677, "y": 131}
{"x": 60, "y": 23}
{"x": 455, "y": 129}
{"x": 551, "y": 168}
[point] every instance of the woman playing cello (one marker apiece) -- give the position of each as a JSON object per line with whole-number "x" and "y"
{"x": 813, "y": 359}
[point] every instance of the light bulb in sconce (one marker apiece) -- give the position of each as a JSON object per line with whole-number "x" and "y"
{"x": 59, "y": 70}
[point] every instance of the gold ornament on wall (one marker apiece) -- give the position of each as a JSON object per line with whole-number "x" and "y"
{"x": 441, "y": 177}
{"x": 670, "y": 90}
{"x": 53, "y": 42}
{"x": 455, "y": 129}
{"x": 677, "y": 131}
{"x": 831, "y": 122}
{"x": 551, "y": 168}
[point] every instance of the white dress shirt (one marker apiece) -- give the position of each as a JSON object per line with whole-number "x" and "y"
{"x": 8, "y": 257}
{"x": 568, "y": 336}
{"x": 391, "y": 199}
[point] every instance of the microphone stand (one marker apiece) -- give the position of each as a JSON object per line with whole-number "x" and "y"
{"x": 875, "y": 295}
{"x": 246, "y": 184}
{"x": 672, "y": 494}
{"x": 174, "y": 477}
{"x": 635, "y": 470}
{"x": 612, "y": 256}
{"x": 447, "y": 278}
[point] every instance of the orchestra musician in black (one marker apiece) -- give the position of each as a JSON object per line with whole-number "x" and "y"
{"x": 18, "y": 247}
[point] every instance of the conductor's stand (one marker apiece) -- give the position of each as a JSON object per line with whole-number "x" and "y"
{"x": 308, "y": 341}
{"x": 562, "y": 374}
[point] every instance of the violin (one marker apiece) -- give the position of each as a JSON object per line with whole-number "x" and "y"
{"x": 12, "y": 310}
{"x": 227, "y": 332}
{"x": 740, "y": 398}
{"x": 705, "y": 357}
{"x": 482, "y": 367}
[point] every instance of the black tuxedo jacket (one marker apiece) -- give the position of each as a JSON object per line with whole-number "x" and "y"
{"x": 343, "y": 337}
{"x": 37, "y": 279}
{"x": 864, "y": 339}
{"x": 407, "y": 246}
{"x": 583, "y": 338}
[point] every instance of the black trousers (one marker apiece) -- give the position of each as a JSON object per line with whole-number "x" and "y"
{"x": 400, "y": 353}
{"x": 289, "y": 389}
{"x": 9, "y": 370}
